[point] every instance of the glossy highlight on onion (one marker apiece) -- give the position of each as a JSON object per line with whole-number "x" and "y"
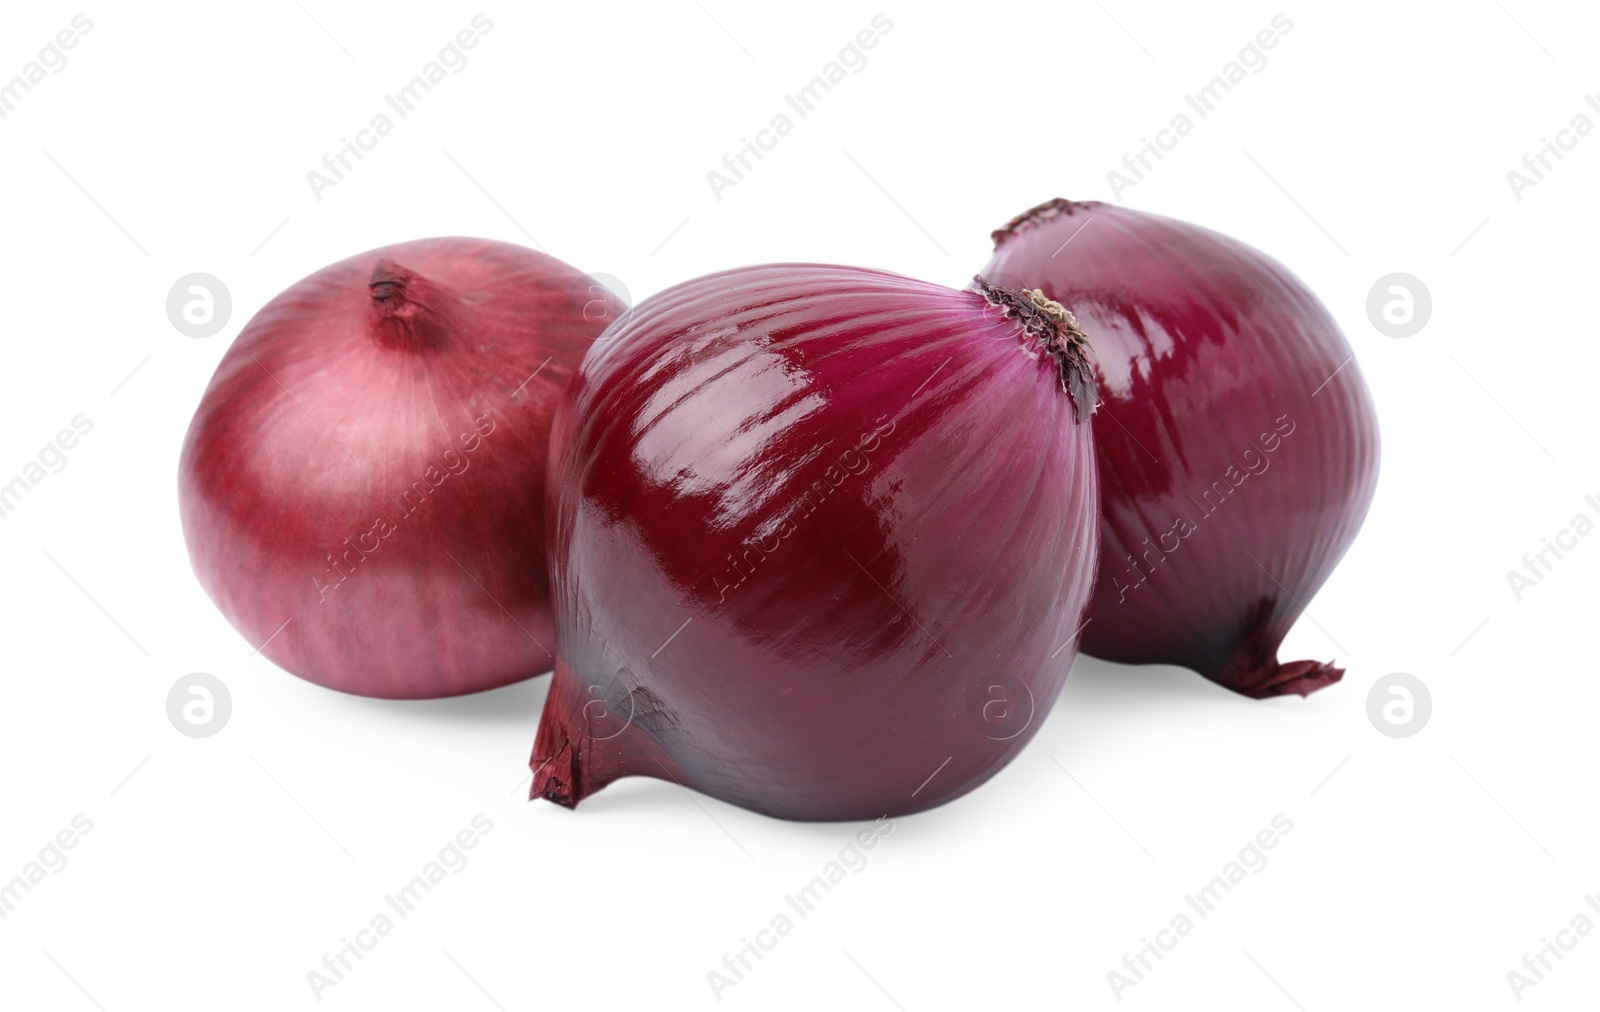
{"x": 361, "y": 487}
{"x": 821, "y": 539}
{"x": 1237, "y": 442}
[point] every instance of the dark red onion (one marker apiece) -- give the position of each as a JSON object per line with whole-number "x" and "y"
{"x": 361, "y": 487}
{"x": 1238, "y": 446}
{"x": 807, "y": 528}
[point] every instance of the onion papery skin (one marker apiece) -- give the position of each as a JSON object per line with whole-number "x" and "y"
{"x": 807, "y": 528}
{"x": 1207, "y": 353}
{"x": 362, "y": 486}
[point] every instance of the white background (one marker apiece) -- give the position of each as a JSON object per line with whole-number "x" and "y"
{"x": 1376, "y": 139}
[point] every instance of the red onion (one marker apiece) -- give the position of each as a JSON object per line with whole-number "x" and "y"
{"x": 1237, "y": 443}
{"x": 361, "y": 487}
{"x": 807, "y": 528}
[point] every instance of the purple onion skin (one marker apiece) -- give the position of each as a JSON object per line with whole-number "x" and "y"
{"x": 1206, "y": 350}
{"x": 801, "y": 519}
{"x": 338, "y": 398}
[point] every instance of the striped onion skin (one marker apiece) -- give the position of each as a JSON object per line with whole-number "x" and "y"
{"x": 808, "y": 529}
{"x": 362, "y": 485}
{"x": 1238, "y": 444}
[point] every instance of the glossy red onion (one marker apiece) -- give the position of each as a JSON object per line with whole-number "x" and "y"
{"x": 361, "y": 487}
{"x": 1238, "y": 447}
{"x": 808, "y": 528}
